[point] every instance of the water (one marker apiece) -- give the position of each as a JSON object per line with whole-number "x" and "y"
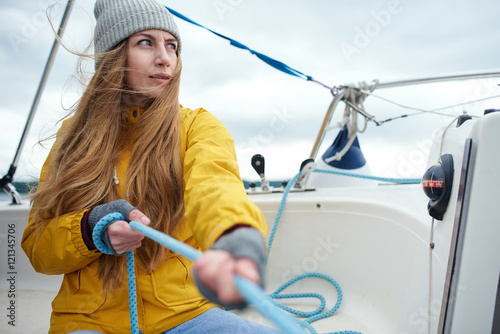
{"x": 7, "y": 197}
{"x": 22, "y": 188}
{"x": 4, "y": 196}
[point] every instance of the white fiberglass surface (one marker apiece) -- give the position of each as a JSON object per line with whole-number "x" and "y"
{"x": 373, "y": 246}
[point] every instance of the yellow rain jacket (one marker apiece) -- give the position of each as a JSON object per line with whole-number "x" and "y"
{"x": 215, "y": 200}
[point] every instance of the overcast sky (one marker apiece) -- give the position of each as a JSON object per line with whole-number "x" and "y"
{"x": 267, "y": 111}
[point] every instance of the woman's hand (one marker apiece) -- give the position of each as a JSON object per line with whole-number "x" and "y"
{"x": 122, "y": 237}
{"x": 216, "y": 270}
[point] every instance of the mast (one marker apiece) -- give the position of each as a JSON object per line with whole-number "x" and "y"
{"x": 6, "y": 181}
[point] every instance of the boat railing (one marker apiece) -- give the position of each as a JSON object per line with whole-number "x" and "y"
{"x": 339, "y": 94}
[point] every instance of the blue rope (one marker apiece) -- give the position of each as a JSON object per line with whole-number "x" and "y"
{"x": 279, "y": 213}
{"x": 167, "y": 241}
{"x": 314, "y": 315}
{"x": 369, "y": 177}
{"x": 291, "y": 183}
{"x": 252, "y": 293}
{"x": 268, "y": 60}
{"x": 318, "y": 313}
{"x": 132, "y": 298}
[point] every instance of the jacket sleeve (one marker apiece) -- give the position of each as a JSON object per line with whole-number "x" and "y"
{"x": 58, "y": 248}
{"x": 215, "y": 198}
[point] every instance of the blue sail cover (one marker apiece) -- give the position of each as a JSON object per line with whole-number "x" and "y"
{"x": 353, "y": 158}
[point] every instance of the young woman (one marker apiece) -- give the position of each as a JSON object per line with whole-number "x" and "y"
{"x": 129, "y": 147}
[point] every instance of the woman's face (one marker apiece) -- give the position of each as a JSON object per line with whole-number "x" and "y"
{"x": 151, "y": 60}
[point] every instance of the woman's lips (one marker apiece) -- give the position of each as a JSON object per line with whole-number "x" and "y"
{"x": 160, "y": 78}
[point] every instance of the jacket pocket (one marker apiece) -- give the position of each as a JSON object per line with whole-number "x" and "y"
{"x": 79, "y": 294}
{"x": 173, "y": 283}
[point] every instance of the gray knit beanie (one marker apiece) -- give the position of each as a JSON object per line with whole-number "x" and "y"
{"x": 116, "y": 20}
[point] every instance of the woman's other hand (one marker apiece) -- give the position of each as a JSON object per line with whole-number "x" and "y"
{"x": 216, "y": 270}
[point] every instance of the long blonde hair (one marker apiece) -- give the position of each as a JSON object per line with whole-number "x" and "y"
{"x": 84, "y": 157}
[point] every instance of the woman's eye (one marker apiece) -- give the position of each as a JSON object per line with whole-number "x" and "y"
{"x": 145, "y": 42}
{"x": 172, "y": 46}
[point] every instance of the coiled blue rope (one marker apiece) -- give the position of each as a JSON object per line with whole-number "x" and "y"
{"x": 318, "y": 313}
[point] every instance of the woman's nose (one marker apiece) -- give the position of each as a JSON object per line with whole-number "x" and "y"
{"x": 162, "y": 57}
